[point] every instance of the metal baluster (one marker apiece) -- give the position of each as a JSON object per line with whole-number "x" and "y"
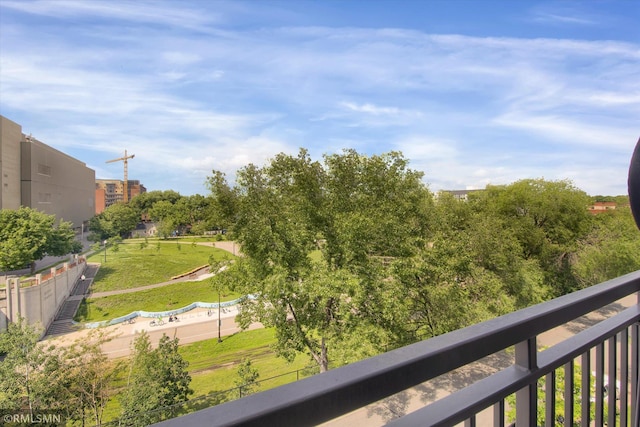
{"x": 526, "y": 397}
{"x": 550, "y": 399}
{"x": 635, "y": 380}
{"x": 611, "y": 398}
{"x": 624, "y": 377}
{"x": 498, "y": 414}
{"x": 585, "y": 391}
{"x": 599, "y": 415}
{"x": 568, "y": 393}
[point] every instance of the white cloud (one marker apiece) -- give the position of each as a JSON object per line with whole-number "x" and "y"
{"x": 200, "y": 97}
{"x": 181, "y": 58}
{"x": 569, "y": 131}
{"x": 551, "y": 17}
{"x": 142, "y": 11}
{"x": 370, "y": 108}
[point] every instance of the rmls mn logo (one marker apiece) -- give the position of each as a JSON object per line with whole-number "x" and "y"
{"x": 32, "y": 418}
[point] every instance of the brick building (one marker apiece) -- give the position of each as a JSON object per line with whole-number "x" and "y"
{"x": 110, "y": 191}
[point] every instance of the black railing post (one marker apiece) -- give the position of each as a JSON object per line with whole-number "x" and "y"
{"x": 635, "y": 373}
{"x": 585, "y": 392}
{"x": 599, "y": 391}
{"x": 612, "y": 383}
{"x": 498, "y": 414}
{"x": 550, "y": 398}
{"x": 569, "y": 381}
{"x": 526, "y": 397}
{"x": 624, "y": 377}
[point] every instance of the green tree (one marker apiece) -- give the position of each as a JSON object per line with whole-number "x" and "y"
{"x": 161, "y": 210}
{"x": 118, "y": 219}
{"x": 375, "y": 207}
{"x": 353, "y": 255}
{"x": 610, "y": 250}
{"x": 548, "y": 219}
{"x": 158, "y": 378}
{"x": 310, "y": 314}
{"x": 31, "y": 375}
{"x": 224, "y": 201}
{"x": 555, "y": 211}
{"x": 171, "y": 217}
{"x": 144, "y": 202}
{"x": 28, "y": 235}
{"x": 445, "y": 288}
{"x": 247, "y": 378}
{"x": 90, "y": 376}
{"x": 359, "y": 211}
{"x": 196, "y": 212}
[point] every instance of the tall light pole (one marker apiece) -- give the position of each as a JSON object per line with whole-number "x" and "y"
{"x": 105, "y": 251}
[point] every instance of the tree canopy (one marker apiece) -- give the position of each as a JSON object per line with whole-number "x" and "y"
{"x": 157, "y": 378}
{"x": 353, "y": 254}
{"x": 117, "y": 220}
{"x": 75, "y": 381}
{"x": 28, "y": 235}
{"x": 354, "y": 212}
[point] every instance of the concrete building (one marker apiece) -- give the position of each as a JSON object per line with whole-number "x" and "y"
{"x": 35, "y": 175}
{"x": 461, "y": 194}
{"x": 110, "y": 191}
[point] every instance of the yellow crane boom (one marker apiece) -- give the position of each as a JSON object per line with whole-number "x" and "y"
{"x": 124, "y": 159}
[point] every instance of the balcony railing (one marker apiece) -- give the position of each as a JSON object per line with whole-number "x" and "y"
{"x": 602, "y": 359}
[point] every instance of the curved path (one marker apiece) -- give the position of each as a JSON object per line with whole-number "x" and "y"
{"x": 196, "y": 325}
{"x": 200, "y": 274}
{"x": 63, "y": 322}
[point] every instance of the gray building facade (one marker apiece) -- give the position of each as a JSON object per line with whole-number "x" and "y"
{"x": 38, "y": 176}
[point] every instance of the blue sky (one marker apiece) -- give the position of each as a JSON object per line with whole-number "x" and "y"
{"x": 473, "y": 92}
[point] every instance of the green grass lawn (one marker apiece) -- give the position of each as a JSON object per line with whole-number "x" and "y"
{"x": 213, "y": 367}
{"x": 134, "y": 265}
{"x": 169, "y": 297}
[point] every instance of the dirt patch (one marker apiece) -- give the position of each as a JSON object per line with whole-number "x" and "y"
{"x": 264, "y": 351}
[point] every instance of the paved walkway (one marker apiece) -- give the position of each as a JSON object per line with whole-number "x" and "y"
{"x": 200, "y": 274}
{"x": 63, "y": 322}
{"x": 196, "y": 325}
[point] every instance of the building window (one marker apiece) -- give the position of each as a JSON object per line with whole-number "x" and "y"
{"x": 44, "y": 198}
{"x": 44, "y": 170}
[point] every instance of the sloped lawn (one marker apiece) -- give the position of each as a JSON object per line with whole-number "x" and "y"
{"x": 164, "y": 298}
{"x": 134, "y": 264}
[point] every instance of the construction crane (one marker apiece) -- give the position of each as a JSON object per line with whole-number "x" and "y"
{"x": 124, "y": 159}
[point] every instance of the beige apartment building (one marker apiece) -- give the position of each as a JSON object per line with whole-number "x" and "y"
{"x": 110, "y": 191}
{"x": 35, "y": 175}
